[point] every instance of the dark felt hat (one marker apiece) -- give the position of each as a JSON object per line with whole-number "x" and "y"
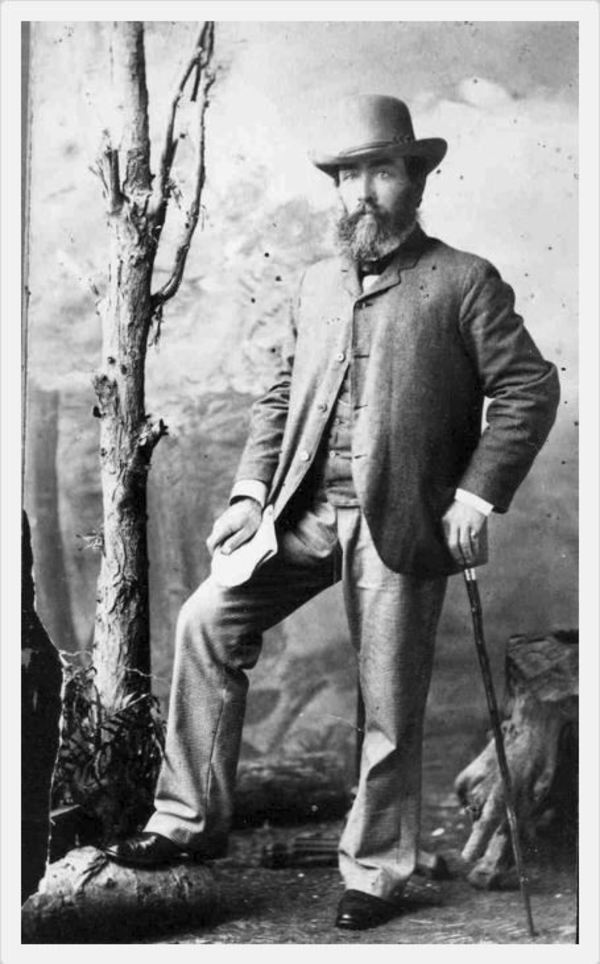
{"x": 369, "y": 126}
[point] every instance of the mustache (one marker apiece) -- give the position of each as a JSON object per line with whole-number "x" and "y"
{"x": 364, "y": 208}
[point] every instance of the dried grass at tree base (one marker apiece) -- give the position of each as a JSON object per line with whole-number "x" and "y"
{"x": 108, "y": 761}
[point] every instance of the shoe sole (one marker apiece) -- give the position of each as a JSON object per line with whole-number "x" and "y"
{"x": 346, "y": 926}
{"x": 183, "y": 857}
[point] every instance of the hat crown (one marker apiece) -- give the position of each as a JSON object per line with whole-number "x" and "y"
{"x": 367, "y": 120}
{"x": 377, "y": 118}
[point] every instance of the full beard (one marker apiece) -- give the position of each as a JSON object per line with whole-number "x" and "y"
{"x": 368, "y": 233}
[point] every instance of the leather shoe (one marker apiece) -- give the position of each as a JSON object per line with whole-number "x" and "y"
{"x": 145, "y": 850}
{"x": 358, "y": 911}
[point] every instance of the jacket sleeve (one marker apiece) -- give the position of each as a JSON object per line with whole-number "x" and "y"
{"x": 523, "y": 387}
{"x": 269, "y": 413}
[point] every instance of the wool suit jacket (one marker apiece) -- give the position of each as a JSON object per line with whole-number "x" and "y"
{"x": 444, "y": 336}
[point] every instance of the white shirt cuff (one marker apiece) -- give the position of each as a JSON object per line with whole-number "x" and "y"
{"x": 467, "y": 498}
{"x": 250, "y": 489}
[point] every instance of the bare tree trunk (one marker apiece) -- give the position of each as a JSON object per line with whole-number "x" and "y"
{"x": 122, "y": 631}
{"x": 136, "y": 213}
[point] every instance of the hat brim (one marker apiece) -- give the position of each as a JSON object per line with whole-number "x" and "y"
{"x": 431, "y": 149}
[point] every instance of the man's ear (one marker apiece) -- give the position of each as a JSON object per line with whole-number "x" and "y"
{"x": 420, "y": 182}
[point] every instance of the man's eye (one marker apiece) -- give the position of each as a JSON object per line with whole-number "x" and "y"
{"x": 347, "y": 175}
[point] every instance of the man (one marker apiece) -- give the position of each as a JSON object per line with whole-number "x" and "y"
{"x": 369, "y": 449}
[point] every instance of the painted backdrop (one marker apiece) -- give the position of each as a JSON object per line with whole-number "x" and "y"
{"x": 504, "y": 96}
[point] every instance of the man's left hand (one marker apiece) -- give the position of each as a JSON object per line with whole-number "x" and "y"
{"x": 462, "y": 525}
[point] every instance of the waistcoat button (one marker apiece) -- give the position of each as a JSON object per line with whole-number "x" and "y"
{"x": 340, "y": 356}
{"x": 304, "y": 456}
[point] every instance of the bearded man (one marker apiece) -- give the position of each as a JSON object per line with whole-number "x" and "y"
{"x": 370, "y": 452}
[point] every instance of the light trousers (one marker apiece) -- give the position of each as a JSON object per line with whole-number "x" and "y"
{"x": 392, "y": 620}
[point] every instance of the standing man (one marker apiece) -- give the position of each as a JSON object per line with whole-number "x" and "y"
{"x": 370, "y": 450}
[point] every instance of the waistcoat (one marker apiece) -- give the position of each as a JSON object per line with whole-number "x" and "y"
{"x": 333, "y": 465}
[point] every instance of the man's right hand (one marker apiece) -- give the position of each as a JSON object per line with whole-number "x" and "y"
{"x": 237, "y": 524}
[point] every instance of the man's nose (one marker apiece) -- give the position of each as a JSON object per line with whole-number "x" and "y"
{"x": 365, "y": 186}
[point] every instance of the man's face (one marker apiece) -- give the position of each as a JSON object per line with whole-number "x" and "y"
{"x": 380, "y": 202}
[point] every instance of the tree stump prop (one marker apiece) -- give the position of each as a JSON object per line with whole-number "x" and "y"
{"x": 85, "y": 897}
{"x": 540, "y": 738}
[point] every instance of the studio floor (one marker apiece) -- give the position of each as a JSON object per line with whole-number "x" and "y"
{"x": 296, "y": 905}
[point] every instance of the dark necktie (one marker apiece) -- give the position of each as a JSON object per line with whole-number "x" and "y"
{"x": 377, "y": 266}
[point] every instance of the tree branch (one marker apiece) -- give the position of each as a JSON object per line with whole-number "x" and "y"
{"x": 171, "y": 286}
{"x": 150, "y": 435}
{"x": 107, "y": 169}
{"x": 196, "y": 65}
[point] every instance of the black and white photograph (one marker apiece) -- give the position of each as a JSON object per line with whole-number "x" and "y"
{"x": 300, "y": 331}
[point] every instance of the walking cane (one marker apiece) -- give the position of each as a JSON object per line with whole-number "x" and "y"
{"x": 477, "y": 616}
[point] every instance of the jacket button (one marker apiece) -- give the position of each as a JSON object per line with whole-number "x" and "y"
{"x": 303, "y": 456}
{"x": 340, "y": 356}
{"x": 322, "y": 407}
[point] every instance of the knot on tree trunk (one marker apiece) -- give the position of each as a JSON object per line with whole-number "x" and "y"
{"x": 107, "y": 392}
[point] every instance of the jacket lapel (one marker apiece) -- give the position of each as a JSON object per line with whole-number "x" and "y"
{"x": 350, "y": 279}
{"x": 407, "y": 256}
